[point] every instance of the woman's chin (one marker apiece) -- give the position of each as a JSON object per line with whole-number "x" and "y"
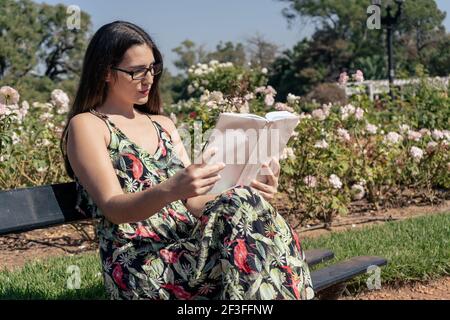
{"x": 142, "y": 100}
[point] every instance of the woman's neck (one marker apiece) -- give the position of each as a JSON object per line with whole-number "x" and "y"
{"x": 114, "y": 106}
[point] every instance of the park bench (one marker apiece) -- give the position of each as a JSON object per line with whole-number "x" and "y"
{"x": 51, "y": 205}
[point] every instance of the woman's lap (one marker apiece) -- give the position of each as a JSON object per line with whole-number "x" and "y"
{"x": 241, "y": 248}
{"x": 260, "y": 255}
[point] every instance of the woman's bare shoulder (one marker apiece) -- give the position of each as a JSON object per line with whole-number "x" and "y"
{"x": 165, "y": 122}
{"x": 87, "y": 120}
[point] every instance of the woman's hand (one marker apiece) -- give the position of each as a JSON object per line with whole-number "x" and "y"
{"x": 195, "y": 180}
{"x": 270, "y": 187}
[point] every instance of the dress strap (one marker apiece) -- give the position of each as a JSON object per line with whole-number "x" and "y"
{"x": 114, "y": 133}
{"x": 157, "y": 127}
{"x": 104, "y": 117}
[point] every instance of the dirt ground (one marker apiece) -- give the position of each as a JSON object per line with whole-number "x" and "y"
{"x": 17, "y": 249}
{"x": 433, "y": 290}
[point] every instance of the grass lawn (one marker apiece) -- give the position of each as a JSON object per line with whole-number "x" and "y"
{"x": 416, "y": 249}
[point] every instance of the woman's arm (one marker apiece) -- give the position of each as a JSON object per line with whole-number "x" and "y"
{"x": 91, "y": 164}
{"x": 195, "y": 205}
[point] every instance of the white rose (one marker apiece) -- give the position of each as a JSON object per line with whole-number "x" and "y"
{"x": 414, "y": 135}
{"x": 437, "y": 134}
{"x": 318, "y": 114}
{"x": 335, "y": 181}
{"x": 393, "y": 138}
{"x": 61, "y": 100}
{"x": 371, "y": 128}
{"x": 9, "y": 95}
{"x": 343, "y": 134}
{"x": 322, "y": 144}
{"x": 416, "y": 153}
{"x": 357, "y": 191}
{"x": 310, "y": 181}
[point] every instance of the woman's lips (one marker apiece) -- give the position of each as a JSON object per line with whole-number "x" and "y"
{"x": 145, "y": 92}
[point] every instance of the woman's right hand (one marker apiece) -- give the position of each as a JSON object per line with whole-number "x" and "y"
{"x": 194, "y": 180}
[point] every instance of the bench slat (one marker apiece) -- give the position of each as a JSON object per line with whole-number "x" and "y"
{"x": 37, "y": 207}
{"x": 316, "y": 256}
{"x": 343, "y": 271}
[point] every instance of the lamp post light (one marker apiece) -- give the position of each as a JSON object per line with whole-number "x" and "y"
{"x": 390, "y": 21}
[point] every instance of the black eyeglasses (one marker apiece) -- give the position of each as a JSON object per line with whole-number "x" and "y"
{"x": 141, "y": 73}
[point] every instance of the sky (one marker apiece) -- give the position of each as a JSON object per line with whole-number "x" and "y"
{"x": 206, "y": 22}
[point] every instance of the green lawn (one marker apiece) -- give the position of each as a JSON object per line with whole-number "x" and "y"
{"x": 416, "y": 249}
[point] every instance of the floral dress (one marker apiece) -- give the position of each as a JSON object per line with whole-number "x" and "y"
{"x": 240, "y": 248}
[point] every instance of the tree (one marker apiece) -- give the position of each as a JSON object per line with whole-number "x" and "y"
{"x": 20, "y": 31}
{"x": 37, "y": 50}
{"x": 261, "y": 52}
{"x": 188, "y": 54}
{"x": 342, "y": 41}
{"x": 62, "y": 49}
{"x": 228, "y": 52}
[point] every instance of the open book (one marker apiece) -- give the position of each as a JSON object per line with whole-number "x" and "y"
{"x": 246, "y": 141}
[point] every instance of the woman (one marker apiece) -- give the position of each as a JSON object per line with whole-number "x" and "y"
{"x": 161, "y": 236}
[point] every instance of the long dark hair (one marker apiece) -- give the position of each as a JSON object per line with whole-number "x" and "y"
{"x": 105, "y": 50}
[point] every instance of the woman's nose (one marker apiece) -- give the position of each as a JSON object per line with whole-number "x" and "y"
{"x": 148, "y": 78}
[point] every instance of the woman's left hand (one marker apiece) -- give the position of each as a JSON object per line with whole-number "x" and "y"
{"x": 270, "y": 187}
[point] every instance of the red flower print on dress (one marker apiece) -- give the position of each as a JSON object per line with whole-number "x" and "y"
{"x": 170, "y": 256}
{"x": 118, "y": 277}
{"x": 297, "y": 241}
{"x": 178, "y": 291}
{"x": 177, "y": 215}
{"x": 145, "y": 233}
{"x": 204, "y": 219}
{"x": 240, "y": 255}
{"x": 137, "y": 167}
{"x": 294, "y": 281}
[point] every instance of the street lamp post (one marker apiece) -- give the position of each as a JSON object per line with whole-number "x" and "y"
{"x": 390, "y": 21}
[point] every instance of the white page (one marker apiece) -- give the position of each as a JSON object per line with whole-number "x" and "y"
{"x": 244, "y": 143}
{"x": 270, "y": 144}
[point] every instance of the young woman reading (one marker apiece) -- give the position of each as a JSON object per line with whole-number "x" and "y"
{"x": 160, "y": 235}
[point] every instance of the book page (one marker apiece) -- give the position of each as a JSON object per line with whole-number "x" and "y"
{"x": 234, "y": 136}
{"x": 271, "y": 144}
{"x": 244, "y": 142}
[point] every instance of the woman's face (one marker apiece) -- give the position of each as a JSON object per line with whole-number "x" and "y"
{"x": 124, "y": 88}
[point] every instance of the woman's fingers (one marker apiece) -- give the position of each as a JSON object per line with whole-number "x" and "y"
{"x": 271, "y": 179}
{"x": 206, "y": 156}
{"x": 262, "y": 186}
{"x": 209, "y": 170}
{"x": 205, "y": 189}
{"x": 277, "y": 167}
{"x": 265, "y": 195}
{"x": 209, "y": 180}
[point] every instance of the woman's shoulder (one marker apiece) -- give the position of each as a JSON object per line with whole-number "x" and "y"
{"x": 86, "y": 121}
{"x": 165, "y": 122}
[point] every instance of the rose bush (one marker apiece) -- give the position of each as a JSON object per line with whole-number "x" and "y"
{"x": 384, "y": 152}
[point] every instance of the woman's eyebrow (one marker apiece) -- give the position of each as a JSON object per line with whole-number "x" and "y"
{"x": 142, "y": 65}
